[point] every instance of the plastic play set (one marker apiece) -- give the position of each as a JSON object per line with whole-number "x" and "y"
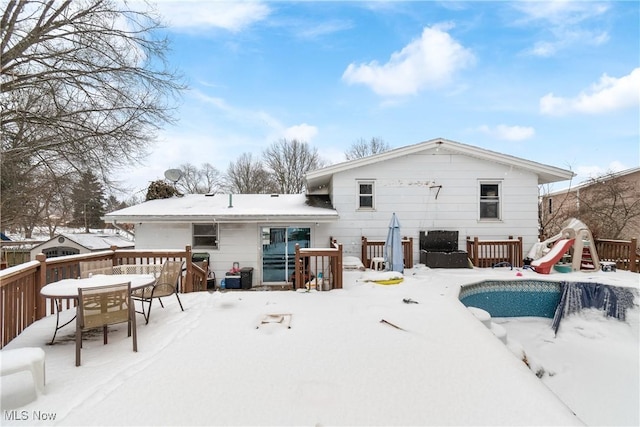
{"x": 573, "y": 250}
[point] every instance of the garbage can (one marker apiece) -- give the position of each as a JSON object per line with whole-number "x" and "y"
{"x": 200, "y": 256}
{"x": 246, "y": 277}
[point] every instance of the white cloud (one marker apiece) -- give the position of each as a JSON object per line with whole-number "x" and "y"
{"x": 584, "y": 173}
{"x": 564, "y": 21}
{"x": 427, "y": 62}
{"x": 564, "y": 39}
{"x": 560, "y": 12}
{"x": 232, "y": 16}
{"x": 302, "y": 132}
{"x": 509, "y": 133}
{"x": 608, "y": 94}
{"x": 257, "y": 121}
{"x": 314, "y": 30}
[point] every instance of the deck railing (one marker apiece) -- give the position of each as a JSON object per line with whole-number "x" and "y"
{"x": 487, "y": 253}
{"x": 623, "y": 252}
{"x": 320, "y": 268}
{"x": 375, "y": 249}
{"x": 20, "y": 300}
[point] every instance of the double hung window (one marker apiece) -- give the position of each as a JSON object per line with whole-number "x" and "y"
{"x": 366, "y": 195}
{"x": 490, "y": 200}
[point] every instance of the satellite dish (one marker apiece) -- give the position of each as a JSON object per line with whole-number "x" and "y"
{"x": 173, "y": 175}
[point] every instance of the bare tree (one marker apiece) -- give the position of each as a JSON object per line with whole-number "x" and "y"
{"x": 248, "y": 176}
{"x": 363, "y": 148}
{"x": 608, "y": 205}
{"x": 288, "y": 162}
{"x": 31, "y": 197}
{"x": 84, "y": 85}
{"x": 554, "y": 211}
{"x": 205, "y": 180}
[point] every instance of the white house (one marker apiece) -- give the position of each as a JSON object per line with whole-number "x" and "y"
{"x": 80, "y": 243}
{"x": 434, "y": 185}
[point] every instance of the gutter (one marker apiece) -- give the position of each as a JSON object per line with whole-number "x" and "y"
{"x": 130, "y": 234}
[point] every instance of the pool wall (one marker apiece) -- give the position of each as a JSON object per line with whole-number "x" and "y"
{"x": 536, "y": 298}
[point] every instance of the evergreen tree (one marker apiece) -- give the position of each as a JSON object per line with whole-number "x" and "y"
{"x": 88, "y": 202}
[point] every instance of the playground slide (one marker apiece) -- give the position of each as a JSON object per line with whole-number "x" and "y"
{"x": 543, "y": 265}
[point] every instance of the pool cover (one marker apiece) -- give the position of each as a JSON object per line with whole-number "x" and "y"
{"x": 575, "y": 296}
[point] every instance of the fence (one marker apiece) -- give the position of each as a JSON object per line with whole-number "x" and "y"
{"x": 14, "y": 253}
{"x": 375, "y": 249}
{"x": 320, "y": 268}
{"x": 20, "y": 300}
{"x": 623, "y": 252}
{"x": 487, "y": 253}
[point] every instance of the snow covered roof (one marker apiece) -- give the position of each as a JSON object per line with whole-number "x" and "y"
{"x": 228, "y": 208}
{"x": 590, "y": 182}
{"x": 92, "y": 241}
{"x": 546, "y": 174}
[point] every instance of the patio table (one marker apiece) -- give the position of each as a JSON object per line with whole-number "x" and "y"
{"x": 68, "y": 289}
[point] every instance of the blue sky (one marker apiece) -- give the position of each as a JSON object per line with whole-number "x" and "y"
{"x": 553, "y": 82}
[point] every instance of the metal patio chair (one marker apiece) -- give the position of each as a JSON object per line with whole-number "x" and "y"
{"x": 165, "y": 285}
{"x": 101, "y": 306}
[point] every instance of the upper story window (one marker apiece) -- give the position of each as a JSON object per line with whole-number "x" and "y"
{"x": 205, "y": 236}
{"x": 490, "y": 200}
{"x": 365, "y": 194}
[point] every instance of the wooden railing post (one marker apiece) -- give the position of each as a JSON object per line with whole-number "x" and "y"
{"x": 511, "y": 252}
{"x": 633, "y": 255}
{"x": 113, "y": 248}
{"x": 520, "y": 252}
{"x": 188, "y": 287}
{"x": 297, "y": 275}
{"x": 408, "y": 252}
{"x": 476, "y": 246}
{"x": 338, "y": 273}
{"x": 41, "y": 280}
{"x": 364, "y": 251}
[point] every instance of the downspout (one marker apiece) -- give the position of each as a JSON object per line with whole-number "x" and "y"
{"x": 131, "y": 235}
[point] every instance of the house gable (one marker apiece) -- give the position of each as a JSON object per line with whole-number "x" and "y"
{"x": 319, "y": 181}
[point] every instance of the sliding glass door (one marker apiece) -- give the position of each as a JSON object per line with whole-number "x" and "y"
{"x": 278, "y": 251}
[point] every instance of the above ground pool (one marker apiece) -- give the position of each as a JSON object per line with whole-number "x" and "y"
{"x": 541, "y": 298}
{"x": 537, "y": 298}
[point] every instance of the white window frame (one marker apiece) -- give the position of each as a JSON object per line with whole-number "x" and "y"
{"x": 360, "y": 195}
{"x": 488, "y": 199}
{"x": 200, "y": 244}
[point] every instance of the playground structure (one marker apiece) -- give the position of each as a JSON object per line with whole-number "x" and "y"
{"x": 574, "y": 238}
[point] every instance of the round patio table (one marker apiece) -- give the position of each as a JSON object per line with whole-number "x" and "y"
{"x": 68, "y": 289}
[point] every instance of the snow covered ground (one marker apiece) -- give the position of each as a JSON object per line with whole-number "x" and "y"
{"x": 339, "y": 364}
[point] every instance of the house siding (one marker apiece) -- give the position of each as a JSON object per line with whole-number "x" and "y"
{"x": 402, "y": 185}
{"x": 236, "y": 243}
{"x": 433, "y": 185}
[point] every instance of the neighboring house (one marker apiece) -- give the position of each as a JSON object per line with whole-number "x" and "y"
{"x": 80, "y": 243}
{"x": 434, "y": 185}
{"x": 609, "y": 205}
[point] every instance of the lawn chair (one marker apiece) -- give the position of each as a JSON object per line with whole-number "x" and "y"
{"x": 89, "y": 268}
{"x": 102, "y": 306}
{"x": 165, "y": 285}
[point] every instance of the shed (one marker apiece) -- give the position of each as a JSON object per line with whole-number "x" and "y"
{"x": 80, "y": 243}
